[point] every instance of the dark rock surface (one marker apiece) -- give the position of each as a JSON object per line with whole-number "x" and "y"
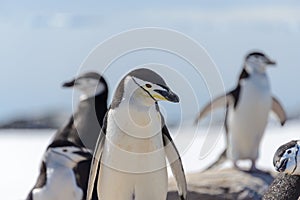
{"x": 284, "y": 187}
{"x": 47, "y": 121}
{"x": 225, "y": 184}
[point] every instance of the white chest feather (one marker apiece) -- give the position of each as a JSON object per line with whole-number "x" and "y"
{"x": 254, "y": 103}
{"x": 134, "y": 140}
{"x": 247, "y": 122}
{"x": 133, "y": 162}
{"x": 60, "y": 185}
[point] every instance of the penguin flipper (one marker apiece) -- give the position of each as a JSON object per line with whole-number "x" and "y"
{"x": 41, "y": 180}
{"x": 221, "y": 101}
{"x": 222, "y": 158}
{"x": 95, "y": 164}
{"x": 278, "y": 110}
{"x": 175, "y": 163}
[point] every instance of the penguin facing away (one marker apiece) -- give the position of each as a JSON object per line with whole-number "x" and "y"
{"x": 247, "y": 110}
{"x": 57, "y": 179}
{"x": 129, "y": 160}
{"x": 287, "y": 183}
{"x": 84, "y": 126}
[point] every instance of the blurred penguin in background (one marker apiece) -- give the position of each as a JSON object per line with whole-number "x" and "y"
{"x": 247, "y": 110}
{"x": 84, "y": 126}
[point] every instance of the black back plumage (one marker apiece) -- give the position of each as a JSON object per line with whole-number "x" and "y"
{"x": 41, "y": 180}
{"x": 71, "y": 133}
{"x": 235, "y": 94}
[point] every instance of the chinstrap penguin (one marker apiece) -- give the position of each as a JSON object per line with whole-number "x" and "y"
{"x": 287, "y": 158}
{"x": 130, "y": 158}
{"x": 287, "y": 183}
{"x": 84, "y": 126}
{"x": 247, "y": 110}
{"x": 57, "y": 179}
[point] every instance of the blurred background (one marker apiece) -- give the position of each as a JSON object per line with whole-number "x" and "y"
{"x": 43, "y": 43}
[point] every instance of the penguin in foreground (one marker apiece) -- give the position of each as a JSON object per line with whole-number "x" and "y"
{"x": 85, "y": 124}
{"x": 130, "y": 158}
{"x": 287, "y": 158}
{"x": 287, "y": 184}
{"x": 247, "y": 110}
{"x": 57, "y": 179}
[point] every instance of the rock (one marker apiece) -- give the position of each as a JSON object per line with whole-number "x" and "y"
{"x": 224, "y": 184}
{"x": 51, "y": 120}
{"x": 284, "y": 187}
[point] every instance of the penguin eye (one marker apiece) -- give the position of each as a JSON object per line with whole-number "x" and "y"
{"x": 289, "y": 151}
{"x": 65, "y": 150}
{"x": 148, "y": 85}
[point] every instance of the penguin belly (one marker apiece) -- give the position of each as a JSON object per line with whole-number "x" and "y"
{"x": 133, "y": 167}
{"x": 61, "y": 185}
{"x": 247, "y": 122}
{"x": 118, "y": 185}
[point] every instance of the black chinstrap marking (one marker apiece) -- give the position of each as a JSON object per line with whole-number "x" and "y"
{"x": 296, "y": 160}
{"x": 282, "y": 166}
{"x": 143, "y": 89}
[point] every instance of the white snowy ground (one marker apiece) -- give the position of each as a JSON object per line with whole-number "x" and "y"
{"x": 21, "y": 153}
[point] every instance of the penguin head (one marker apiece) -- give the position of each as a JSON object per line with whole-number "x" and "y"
{"x": 257, "y": 62}
{"x": 90, "y": 84}
{"x": 66, "y": 153}
{"x": 286, "y": 158}
{"x": 146, "y": 87}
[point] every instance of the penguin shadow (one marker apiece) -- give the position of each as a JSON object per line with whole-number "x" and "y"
{"x": 265, "y": 176}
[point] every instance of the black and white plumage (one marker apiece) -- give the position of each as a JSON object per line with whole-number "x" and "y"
{"x": 57, "y": 178}
{"x": 129, "y": 160}
{"x": 247, "y": 110}
{"x": 287, "y": 158}
{"x": 84, "y": 126}
{"x": 287, "y": 184}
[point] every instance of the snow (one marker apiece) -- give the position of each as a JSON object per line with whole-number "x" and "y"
{"x": 21, "y": 153}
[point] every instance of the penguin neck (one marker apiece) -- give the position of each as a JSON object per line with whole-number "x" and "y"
{"x": 60, "y": 177}
{"x": 88, "y": 119}
{"x": 255, "y": 78}
{"x": 100, "y": 105}
{"x": 91, "y": 93}
{"x": 141, "y": 107}
{"x": 136, "y": 119}
{"x": 138, "y": 102}
{"x": 63, "y": 162}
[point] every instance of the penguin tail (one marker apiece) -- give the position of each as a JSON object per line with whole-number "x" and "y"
{"x": 222, "y": 158}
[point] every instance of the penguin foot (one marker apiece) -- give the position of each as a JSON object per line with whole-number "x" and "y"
{"x": 253, "y": 167}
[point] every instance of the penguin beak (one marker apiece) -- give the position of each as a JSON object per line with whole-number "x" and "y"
{"x": 281, "y": 166}
{"x": 271, "y": 62}
{"x": 166, "y": 95}
{"x": 69, "y": 84}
